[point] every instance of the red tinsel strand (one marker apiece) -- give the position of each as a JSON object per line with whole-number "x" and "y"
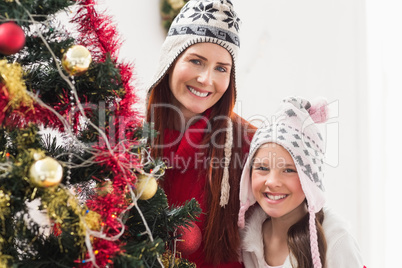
{"x": 96, "y": 31}
{"x": 121, "y": 163}
{"x": 101, "y": 39}
{"x": 104, "y": 251}
{"x": 24, "y": 115}
{"x": 36, "y": 114}
{"x": 112, "y": 204}
{"x": 132, "y": 117}
{"x": 126, "y": 73}
{"x": 108, "y": 207}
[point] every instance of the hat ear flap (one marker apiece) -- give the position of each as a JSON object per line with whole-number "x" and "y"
{"x": 247, "y": 198}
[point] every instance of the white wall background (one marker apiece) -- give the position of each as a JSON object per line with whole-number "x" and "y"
{"x": 348, "y": 51}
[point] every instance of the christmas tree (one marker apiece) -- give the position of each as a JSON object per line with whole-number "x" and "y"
{"x": 78, "y": 187}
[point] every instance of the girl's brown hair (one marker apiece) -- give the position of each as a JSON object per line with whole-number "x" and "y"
{"x": 299, "y": 241}
{"x": 221, "y": 238}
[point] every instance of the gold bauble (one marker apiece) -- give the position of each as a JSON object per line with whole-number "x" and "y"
{"x": 76, "y": 60}
{"x": 46, "y": 172}
{"x": 147, "y": 185}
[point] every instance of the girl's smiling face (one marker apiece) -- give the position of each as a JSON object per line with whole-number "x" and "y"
{"x": 199, "y": 78}
{"x": 275, "y": 182}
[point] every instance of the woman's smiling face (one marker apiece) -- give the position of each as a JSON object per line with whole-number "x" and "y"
{"x": 199, "y": 78}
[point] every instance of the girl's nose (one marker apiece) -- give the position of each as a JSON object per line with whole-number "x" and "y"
{"x": 273, "y": 180}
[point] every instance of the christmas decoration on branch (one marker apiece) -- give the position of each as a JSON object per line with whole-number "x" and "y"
{"x": 76, "y": 60}
{"x": 12, "y": 38}
{"x": 169, "y": 10}
{"x": 45, "y": 172}
{"x": 146, "y": 187}
{"x": 13, "y": 86}
{"x": 78, "y": 187}
{"x": 189, "y": 239}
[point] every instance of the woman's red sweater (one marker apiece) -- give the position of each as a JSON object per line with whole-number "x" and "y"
{"x": 183, "y": 179}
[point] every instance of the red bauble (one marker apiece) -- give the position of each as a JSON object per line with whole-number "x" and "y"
{"x": 189, "y": 241}
{"x": 12, "y": 38}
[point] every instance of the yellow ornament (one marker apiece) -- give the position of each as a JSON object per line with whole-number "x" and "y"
{"x": 13, "y": 85}
{"x": 76, "y": 60}
{"x": 146, "y": 186}
{"x": 46, "y": 172}
{"x": 93, "y": 220}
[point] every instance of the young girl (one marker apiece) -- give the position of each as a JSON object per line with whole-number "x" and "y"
{"x": 281, "y": 187}
{"x": 202, "y": 140}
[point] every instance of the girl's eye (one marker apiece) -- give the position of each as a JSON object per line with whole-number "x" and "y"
{"x": 290, "y": 170}
{"x": 261, "y": 168}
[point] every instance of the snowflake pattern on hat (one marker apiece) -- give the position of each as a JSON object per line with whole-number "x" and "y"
{"x": 204, "y": 12}
{"x": 232, "y": 20}
{"x": 212, "y": 18}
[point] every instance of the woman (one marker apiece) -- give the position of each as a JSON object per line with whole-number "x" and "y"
{"x": 202, "y": 140}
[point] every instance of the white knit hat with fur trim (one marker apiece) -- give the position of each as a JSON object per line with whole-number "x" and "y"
{"x": 200, "y": 21}
{"x": 294, "y": 128}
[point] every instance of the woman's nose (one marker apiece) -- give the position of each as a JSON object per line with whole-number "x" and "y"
{"x": 205, "y": 77}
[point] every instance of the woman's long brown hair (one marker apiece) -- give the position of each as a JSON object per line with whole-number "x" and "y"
{"x": 299, "y": 241}
{"x": 221, "y": 238}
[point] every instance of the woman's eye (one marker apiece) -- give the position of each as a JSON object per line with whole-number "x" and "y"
{"x": 221, "y": 69}
{"x": 197, "y": 62}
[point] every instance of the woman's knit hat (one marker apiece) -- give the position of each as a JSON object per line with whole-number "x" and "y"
{"x": 200, "y": 21}
{"x": 293, "y": 127}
